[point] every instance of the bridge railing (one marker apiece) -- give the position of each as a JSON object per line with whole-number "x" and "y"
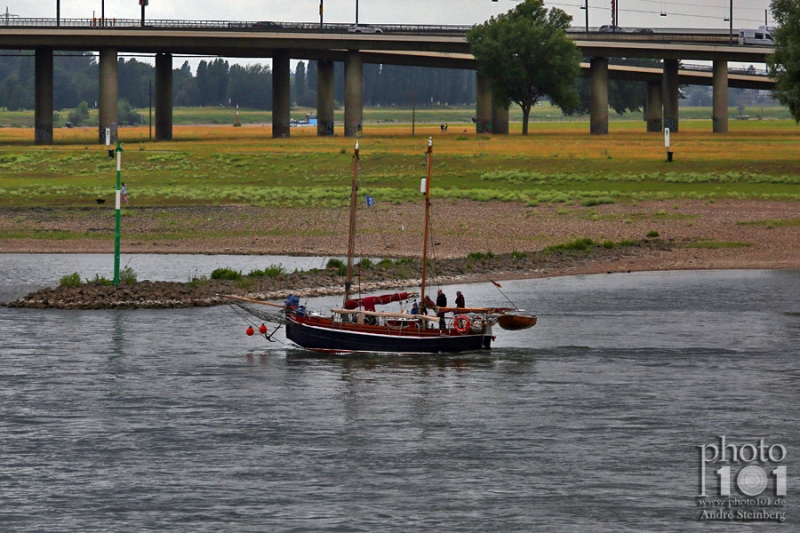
{"x": 112, "y": 23}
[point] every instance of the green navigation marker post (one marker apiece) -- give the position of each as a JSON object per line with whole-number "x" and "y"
{"x": 119, "y": 217}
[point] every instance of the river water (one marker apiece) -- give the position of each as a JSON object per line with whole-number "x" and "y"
{"x": 174, "y": 420}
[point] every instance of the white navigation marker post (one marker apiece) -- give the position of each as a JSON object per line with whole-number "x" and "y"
{"x": 118, "y": 209}
{"x": 666, "y": 145}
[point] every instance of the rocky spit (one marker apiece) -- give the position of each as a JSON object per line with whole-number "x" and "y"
{"x": 325, "y": 282}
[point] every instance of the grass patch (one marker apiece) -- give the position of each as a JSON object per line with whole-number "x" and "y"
{"x": 579, "y": 245}
{"x": 773, "y": 223}
{"x": 99, "y": 280}
{"x": 716, "y": 245}
{"x": 226, "y": 273}
{"x": 71, "y": 280}
{"x": 479, "y": 256}
{"x": 652, "y": 234}
{"x": 272, "y": 271}
{"x": 338, "y": 265}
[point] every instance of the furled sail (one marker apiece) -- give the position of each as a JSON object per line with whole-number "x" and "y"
{"x": 369, "y": 302}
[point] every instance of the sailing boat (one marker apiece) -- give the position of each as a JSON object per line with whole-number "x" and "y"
{"x": 358, "y": 327}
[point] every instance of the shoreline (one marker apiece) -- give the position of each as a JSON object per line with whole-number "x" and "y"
{"x": 643, "y": 256}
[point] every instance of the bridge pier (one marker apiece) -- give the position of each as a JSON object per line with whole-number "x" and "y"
{"x": 281, "y": 95}
{"x": 720, "y": 97}
{"x": 598, "y": 98}
{"x": 43, "y": 117}
{"x": 671, "y": 94}
{"x": 483, "y": 104}
{"x": 325, "y": 98}
{"x": 499, "y": 118}
{"x": 653, "y": 110}
{"x": 353, "y": 93}
{"x": 109, "y": 90}
{"x": 163, "y": 97}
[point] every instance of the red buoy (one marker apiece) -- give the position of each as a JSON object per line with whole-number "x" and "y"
{"x": 262, "y": 329}
{"x": 250, "y": 331}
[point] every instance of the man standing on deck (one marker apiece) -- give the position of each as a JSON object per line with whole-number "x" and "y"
{"x": 460, "y": 303}
{"x": 441, "y": 301}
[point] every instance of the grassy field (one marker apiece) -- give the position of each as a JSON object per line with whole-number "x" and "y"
{"x": 558, "y": 163}
{"x": 385, "y": 115}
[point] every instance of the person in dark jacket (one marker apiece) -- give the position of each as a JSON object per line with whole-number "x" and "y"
{"x": 460, "y": 303}
{"x": 441, "y": 301}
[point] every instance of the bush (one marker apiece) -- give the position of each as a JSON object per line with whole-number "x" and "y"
{"x": 518, "y": 255}
{"x": 338, "y": 264}
{"x": 628, "y": 242}
{"x": 71, "y": 280}
{"x": 608, "y": 244}
{"x": 365, "y": 263}
{"x": 226, "y": 273}
{"x": 126, "y": 114}
{"x": 79, "y": 114}
{"x": 652, "y": 233}
{"x": 479, "y": 256}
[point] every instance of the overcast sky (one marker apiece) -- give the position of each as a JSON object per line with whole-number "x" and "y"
{"x": 633, "y": 13}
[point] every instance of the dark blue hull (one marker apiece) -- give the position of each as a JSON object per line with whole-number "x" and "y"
{"x": 327, "y": 337}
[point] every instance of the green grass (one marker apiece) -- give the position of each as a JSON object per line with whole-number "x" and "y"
{"x": 558, "y": 164}
{"x": 773, "y": 223}
{"x": 226, "y": 273}
{"x": 716, "y": 245}
{"x": 579, "y": 245}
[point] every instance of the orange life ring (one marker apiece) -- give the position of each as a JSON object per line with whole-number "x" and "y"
{"x": 461, "y": 324}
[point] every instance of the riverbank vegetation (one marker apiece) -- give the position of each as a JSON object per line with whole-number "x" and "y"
{"x": 558, "y": 164}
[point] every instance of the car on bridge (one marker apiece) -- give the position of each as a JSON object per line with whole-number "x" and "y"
{"x": 611, "y": 28}
{"x": 363, "y": 28}
{"x": 761, "y": 36}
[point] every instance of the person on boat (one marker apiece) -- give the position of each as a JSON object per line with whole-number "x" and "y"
{"x": 415, "y": 308}
{"x": 427, "y": 303}
{"x": 460, "y": 303}
{"x": 441, "y": 301}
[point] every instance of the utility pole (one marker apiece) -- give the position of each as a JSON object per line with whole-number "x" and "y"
{"x": 58, "y": 12}
{"x": 320, "y": 15}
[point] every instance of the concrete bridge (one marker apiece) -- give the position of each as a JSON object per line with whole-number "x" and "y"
{"x": 402, "y": 45}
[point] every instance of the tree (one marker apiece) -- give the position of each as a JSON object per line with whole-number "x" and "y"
{"x": 300, "y": 80}
{"x": 527, "y": 55}
{"x": 784, "y": 64}
{"x": 79, "y": 114}
{"x": 126, "y": 115}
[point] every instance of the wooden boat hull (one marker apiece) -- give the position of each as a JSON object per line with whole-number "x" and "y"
{"x": 323, "y": 335}
{"x": 512, "y": 322}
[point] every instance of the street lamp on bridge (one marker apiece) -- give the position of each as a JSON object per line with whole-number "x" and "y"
{"x": 729, "y": 18}
{"x": 585, "y": 7}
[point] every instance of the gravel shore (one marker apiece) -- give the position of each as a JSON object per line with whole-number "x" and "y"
{"x": 703, "y": 234}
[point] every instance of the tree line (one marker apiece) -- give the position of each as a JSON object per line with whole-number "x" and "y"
{"x": 218, "y": 83}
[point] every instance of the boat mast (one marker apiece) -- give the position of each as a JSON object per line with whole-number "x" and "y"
{"x": 427, "y": 190}
{"x": 352, "y": 239}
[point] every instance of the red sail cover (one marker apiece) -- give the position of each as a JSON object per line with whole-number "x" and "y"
{"x": 369, "y": 302}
